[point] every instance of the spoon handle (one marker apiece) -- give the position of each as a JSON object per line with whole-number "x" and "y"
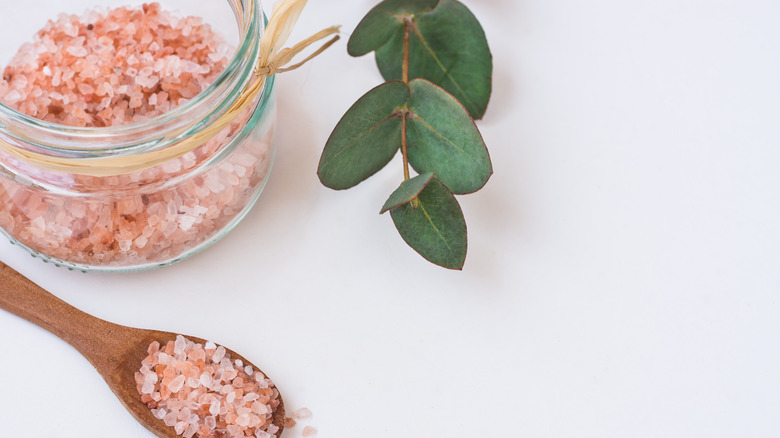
{"x": 29, "y": 301}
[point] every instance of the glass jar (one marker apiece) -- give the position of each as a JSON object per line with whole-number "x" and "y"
{"x": 158, "y": 214}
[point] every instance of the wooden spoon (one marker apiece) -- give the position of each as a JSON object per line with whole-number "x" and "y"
{"x": 114, "y": 350}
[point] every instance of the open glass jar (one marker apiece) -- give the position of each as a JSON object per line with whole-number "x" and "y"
{"x": 156, "y": 214}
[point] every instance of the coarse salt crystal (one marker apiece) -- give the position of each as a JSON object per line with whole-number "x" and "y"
{"x": 170, "y": 419}
{"x": 12, "y": 97}
{"x": 159, "y": 413}
{"x": 124, "y": 245}
{"x": 215, "y": 407}
{"x": 148, "y": 387}
{"x": 79, "y": 52}
{"x": 164, "y": 358}
{"x": 154, "y": 347}
{"x": 176, "y": 384}
{"x": 180, "y": 427}
{"x": 170, "y": 228}
{"x": 200, "y": 210}
{"x": 302, "y": 413}
{"x": 186, "y": 222}
{"x": 243, "y": 420}
{"x": 190, "y": 432}
{"x": 259, "y": 408}
{"x": 229, "y": 373}
{"x": 218, "y": 355}
{"x": 179, "y": 345}
{"x": 309, "y": 431}
{"x": 86, "y": 89}
{"x": 141, "y": 241}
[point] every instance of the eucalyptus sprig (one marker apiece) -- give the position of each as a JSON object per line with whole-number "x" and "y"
{"x": 438, "y": 67}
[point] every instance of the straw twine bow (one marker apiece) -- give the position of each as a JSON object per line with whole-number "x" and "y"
{"x": 271, "y": 60}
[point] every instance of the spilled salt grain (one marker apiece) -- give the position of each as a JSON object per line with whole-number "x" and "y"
{"x": 309, "y": 431}
{"x": 302, "y": 413}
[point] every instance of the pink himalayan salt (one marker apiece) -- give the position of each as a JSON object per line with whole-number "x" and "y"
{"x": 309, "y": 431}
{"x": 302, "y": 413}
{"x": 218, "y": 409}
{"x": 130, "y": 221}
{"x": 107, "y": 69}
{"x": 176, "y": 384}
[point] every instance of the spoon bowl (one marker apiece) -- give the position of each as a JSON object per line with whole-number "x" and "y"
{"x": 116, "y": 351}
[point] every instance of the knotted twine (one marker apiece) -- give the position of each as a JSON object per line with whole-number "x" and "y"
{"x": 272, "y": 59}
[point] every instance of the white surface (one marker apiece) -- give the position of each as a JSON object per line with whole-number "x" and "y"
{"x": 622, "y": 278}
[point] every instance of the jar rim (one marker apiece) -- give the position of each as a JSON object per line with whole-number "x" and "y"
{"x": 251, "y": 30}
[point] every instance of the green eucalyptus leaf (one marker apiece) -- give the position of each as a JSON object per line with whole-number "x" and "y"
{"x": 379, "y": 25}
{"x": 448, "y": 47}
{"x": 366, "y": 138}
{"x": 443, "y": 139}
{"x": 408, "y": 191}
{"x": 434, "y": 226}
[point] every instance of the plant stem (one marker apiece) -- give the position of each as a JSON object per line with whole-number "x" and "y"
{"x": 404, "y": 150}
{"x": 407, "y": 35}
{"x": 405, "y": 77}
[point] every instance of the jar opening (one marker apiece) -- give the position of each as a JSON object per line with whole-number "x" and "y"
{"x": 157, "y": 132}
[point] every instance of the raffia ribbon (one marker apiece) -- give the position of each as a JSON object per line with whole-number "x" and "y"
{"x": 272, "y": 60}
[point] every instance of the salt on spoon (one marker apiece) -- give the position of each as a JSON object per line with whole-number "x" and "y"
{"x": 117, "y": 352}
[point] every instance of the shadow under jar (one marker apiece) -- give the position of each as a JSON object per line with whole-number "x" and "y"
{"x": 162, "y": 212}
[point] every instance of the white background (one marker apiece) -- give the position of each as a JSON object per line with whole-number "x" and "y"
{"x": 623, "y": 270}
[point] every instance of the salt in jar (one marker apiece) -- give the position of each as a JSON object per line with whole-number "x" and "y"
{"x": 109, "y": 196}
